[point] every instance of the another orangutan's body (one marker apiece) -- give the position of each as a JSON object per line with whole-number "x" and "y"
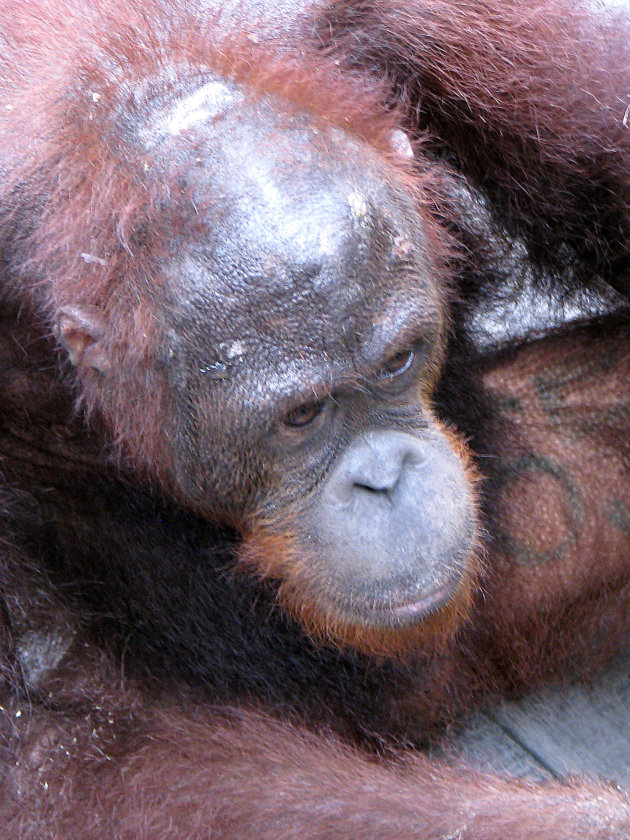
{"x": 271, "y": 507}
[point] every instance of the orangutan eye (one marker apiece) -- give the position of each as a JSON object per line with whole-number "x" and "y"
{"x": 303, "y": 415}
{"x": 396, "y": 365}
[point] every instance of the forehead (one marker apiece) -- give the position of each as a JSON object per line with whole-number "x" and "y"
{"x": 338, "y": 320}
{"x": 300, "y": 249}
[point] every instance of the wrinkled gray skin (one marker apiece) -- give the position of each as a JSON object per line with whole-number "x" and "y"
{"x": 300, "y": 273}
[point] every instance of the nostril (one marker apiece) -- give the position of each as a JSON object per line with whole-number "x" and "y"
{"x": 367, "y": 488}
{"x": 376, "y": 466}
{"x": 385, "y": 489}
{"x": 380, "y": 478}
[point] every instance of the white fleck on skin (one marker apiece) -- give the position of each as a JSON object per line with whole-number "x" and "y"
{"x": 401, "y": 144}
{"x": 402, "y": 247}
{"x": 236, "y": 349}
{"x": 358, "y": 205}
{"x": 90, "y": 259}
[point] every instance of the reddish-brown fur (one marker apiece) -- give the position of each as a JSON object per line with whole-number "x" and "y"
{"x": 522, "y": 101}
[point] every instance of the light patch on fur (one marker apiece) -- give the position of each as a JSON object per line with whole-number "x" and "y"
{"x": 326, "y": 242}
{"x": 204, "y": 104}
{"x": 39, "y": 653}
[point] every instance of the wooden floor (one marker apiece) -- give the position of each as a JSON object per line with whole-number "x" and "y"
{"x": 557, "y": 731}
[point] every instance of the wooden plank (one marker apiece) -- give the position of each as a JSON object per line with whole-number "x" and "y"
{"x": 485, "y": 745}
{"x": 578, "y": 728}
{"x": 557, "y": 731}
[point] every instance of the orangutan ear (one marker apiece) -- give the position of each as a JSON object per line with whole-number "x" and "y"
{"x": 81, "y": 331}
